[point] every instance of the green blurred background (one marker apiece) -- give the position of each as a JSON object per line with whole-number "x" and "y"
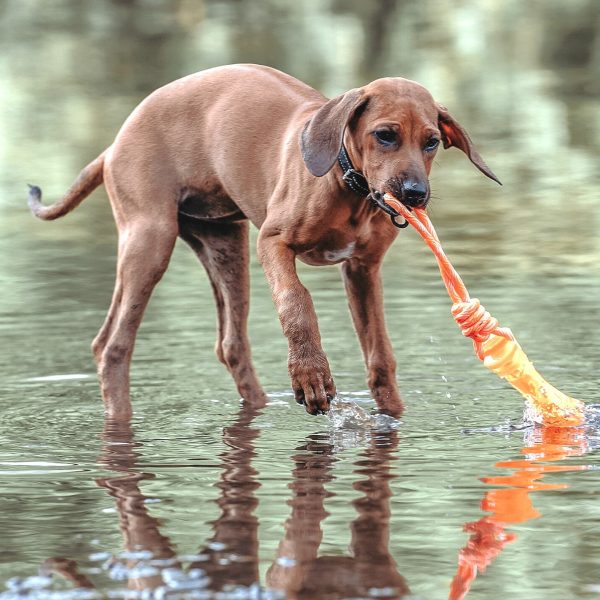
{"x": 522, "y": 77}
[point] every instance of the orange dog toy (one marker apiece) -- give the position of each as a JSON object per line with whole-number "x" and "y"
{"x": 496, "y": 346}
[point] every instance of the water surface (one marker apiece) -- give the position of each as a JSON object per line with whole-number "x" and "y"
{"x": 227, "y": 496}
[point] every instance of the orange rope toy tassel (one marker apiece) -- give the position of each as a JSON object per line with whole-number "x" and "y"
{"x": 495, "y": 346}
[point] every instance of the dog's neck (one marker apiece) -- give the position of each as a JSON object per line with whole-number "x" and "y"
{"x": 358, "y": 183}
{"x": 354, "y": 179}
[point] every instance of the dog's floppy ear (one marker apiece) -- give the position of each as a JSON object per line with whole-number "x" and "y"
{"x": 321, "y": 138}
{"x": 454, "y": 135}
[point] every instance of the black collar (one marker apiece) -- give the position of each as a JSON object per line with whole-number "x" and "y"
{"x": 355, "y": 180}
{"x": 358, "y": 183}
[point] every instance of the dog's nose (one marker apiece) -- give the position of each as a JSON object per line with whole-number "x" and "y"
{"x": 415, "y": 193}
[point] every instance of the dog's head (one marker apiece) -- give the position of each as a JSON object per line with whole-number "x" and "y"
{"x": 392, "y": 129}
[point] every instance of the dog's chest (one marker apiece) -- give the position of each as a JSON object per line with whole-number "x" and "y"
{"x": 340, "y": 235}
{"x": 329, "y": 252}
{"x": 339, "y": 254}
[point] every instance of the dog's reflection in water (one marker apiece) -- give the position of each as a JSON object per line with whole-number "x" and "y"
{"x": 139, "y": 528}
{"x": 230, "y": 558}
{"x": 298, "y": 569}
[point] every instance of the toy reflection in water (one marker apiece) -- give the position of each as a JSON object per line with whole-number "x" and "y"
{"x": 512, "y": 504}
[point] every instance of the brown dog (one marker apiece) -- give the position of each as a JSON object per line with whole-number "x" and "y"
{"x": 203, "y": 155}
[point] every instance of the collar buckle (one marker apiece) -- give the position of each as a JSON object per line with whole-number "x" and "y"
{"x": 351, "y": 175}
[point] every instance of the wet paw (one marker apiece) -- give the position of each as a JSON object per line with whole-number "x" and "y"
{"x": 312, "y": 384}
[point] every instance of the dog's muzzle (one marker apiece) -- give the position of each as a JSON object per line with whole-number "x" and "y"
{"x": 412, "y": 192}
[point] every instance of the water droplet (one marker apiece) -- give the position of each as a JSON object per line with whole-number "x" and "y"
{"x": 217, "y": 546}
{"x": 99, "y": 556}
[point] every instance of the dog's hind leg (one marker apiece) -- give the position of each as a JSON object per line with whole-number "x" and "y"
{"x": 223, "y": 250}
{"x": 145, "y": 247}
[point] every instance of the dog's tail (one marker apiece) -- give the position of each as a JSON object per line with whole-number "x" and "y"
{"x": 87, "y": 181}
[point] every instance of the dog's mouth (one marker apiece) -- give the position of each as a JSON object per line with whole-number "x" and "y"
{"x": 378, "y": 201}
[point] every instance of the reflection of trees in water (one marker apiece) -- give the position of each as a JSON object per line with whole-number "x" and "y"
{"x": 575, "y": 42}
{"x": 131, "y": 46}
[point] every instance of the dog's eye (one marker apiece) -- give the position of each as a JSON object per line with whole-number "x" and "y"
{"x": 431, "y": 144}
{"x": 386, "y": 137}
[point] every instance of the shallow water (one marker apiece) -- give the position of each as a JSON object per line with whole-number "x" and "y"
{"x": 201, "y": 494}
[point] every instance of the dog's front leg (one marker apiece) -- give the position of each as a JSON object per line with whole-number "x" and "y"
{"x": 308, "y": 367}
{"x": 365, "y": 296}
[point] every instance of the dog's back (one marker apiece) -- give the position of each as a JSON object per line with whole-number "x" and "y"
{"x": 213, "y": 133}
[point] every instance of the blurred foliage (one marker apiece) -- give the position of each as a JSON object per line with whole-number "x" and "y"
{"x": 523, "y": 77}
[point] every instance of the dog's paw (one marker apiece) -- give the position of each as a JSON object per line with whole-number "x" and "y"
{"x": 312, "y": 383}
{"x": 388, "y": 401}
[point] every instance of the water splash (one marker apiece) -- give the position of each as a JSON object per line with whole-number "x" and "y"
{"x": 591, "y": 416}
{"x": 346, "y": 414}
{"x": 532, "y": 421}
